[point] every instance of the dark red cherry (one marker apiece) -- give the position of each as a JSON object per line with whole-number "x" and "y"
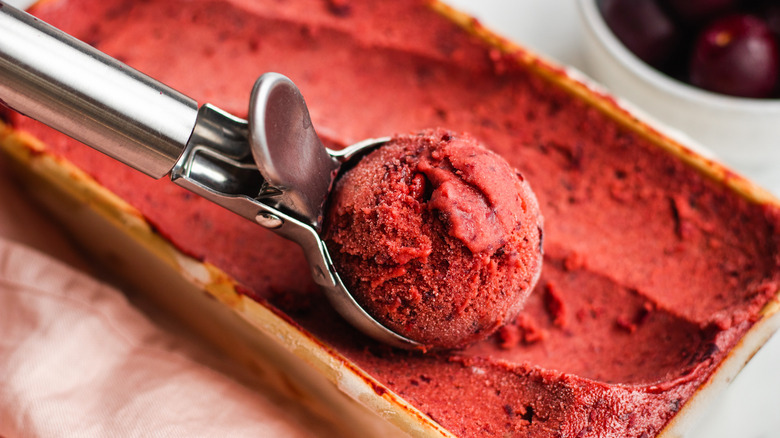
{"x": 736, "y": 55}
{"x": 698, "y": 11}
{"x": 644, "y": 28}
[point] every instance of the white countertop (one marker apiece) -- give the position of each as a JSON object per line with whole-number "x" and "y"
{"x": 750, "y": 408}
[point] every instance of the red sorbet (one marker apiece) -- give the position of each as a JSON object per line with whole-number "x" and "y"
{"x": 437, "y": 237}
{"x": 653, "y": 271}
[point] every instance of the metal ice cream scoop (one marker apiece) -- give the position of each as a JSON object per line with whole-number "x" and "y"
{"x": 271, "y": 169}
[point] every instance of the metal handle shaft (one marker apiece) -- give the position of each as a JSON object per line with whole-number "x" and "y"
{"x": 85, "y": 94}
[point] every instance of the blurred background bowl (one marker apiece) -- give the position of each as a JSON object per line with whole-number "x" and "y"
{"x": 743, "y": 133}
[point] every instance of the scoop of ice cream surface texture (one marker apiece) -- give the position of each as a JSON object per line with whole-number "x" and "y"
{"x": 437, "y": 237}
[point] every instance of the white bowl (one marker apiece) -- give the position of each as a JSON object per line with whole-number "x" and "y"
{"x": 743, "y": 133}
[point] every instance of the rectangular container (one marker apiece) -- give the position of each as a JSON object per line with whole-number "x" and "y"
{"x": 271, "y": 342}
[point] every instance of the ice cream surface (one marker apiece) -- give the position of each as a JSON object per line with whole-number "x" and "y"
{"x": 652, "y": 271}
{"x": 437, "y": 237}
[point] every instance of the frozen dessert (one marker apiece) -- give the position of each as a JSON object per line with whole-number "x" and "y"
{"x": 653, "y": 272}
{"x": 437, "y": 237}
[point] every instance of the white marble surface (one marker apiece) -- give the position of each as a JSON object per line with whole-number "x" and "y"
{"x": 750, "y": 408}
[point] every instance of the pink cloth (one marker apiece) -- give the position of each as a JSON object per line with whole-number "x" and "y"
{"x": 77, "y": 360}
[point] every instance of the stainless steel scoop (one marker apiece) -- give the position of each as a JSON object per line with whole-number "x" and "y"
{"x": 271, "y": 169}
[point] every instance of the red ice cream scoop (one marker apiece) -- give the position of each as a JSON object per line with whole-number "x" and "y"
{"x": 437, "y": 237}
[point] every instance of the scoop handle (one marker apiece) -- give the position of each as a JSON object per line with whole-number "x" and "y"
{"x": 85, "y": 94}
